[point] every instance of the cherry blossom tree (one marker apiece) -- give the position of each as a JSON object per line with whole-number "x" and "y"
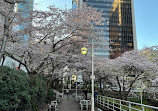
{"x": 129, "y": 68}
{"x": 7, "y": 16}
{"x": 55, "y": 40}
{"x": 52, "y": 34}
{"x": 152, "y": 54}
{"x": 102, "y": 71}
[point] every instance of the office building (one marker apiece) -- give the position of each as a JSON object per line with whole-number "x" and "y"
{"x": 118, "y": 28}
{"x": 25, "y": 9}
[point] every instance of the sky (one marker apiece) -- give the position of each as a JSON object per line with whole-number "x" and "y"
{"x": 146, "y": 18}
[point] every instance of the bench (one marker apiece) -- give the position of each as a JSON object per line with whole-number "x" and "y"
{"x": 79, "y": 98}
{"x": 99, "y": 109}
{"x": 85, "y": 103}
{"x": 89, "y": 95}
{"x": 53, "y": 105}
{"x": 58, "y": 99}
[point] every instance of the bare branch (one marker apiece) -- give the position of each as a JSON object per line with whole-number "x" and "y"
{"x": 14, "y": 1}
{"x": 24, "y": 64}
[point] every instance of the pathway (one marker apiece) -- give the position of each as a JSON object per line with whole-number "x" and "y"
{"x": 69, "y": 104}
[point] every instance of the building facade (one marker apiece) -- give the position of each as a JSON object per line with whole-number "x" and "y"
{"x": 118, "y": 28}
{"x": 25, "y": 9}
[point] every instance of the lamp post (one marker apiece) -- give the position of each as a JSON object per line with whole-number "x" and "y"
{"x": 141, "y": 99}
{"x": 75, "y": 79}
{"x": 76, "y": 86}
{"x": 84, "y": 51}
{"x": 93, "y": 77}
{"x": 70, "y": 83}
{"x": 142, "y": 87}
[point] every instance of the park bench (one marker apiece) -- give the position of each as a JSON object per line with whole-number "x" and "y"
{"x": 80, "y": 94}
{"x": 99, "y": 109}
{"x": 58, "y": 99}
{"x": 79, "y": 98}
{"x": 74, "y": 94}
{"x": 85, "y": 103}
{"x": 53, "y": 105}
{"x": 89, "y": 95}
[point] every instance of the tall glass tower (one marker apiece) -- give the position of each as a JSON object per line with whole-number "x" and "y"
{"x": 25, "y": 8}
{"x": 119, "y": 25}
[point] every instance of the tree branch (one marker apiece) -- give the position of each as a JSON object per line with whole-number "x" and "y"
{"x": 14, "y": 1}
{"x": 64, "y": 38}
{"x": 2, "y": 14}
{"x": 117, "y": 78}
{"x": 20, "y": 62}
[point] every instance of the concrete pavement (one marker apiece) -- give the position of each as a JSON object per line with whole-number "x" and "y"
{"x": 69, "y": 104}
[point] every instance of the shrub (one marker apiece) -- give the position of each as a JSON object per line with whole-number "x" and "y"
{"x": 136, "y": 100}
{"x": 38, "y": 90}
{"x": 50, "y": 95}
{"x": 14, "y": 88}
{"x": 153, "y": 102}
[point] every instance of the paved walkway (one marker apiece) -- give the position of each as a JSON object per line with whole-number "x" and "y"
{"x": 69, "y": 104}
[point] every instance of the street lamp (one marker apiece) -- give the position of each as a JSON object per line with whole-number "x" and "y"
{"x": 84, "y": 51}
{"x": 142, "y": 87}
{"x": 76, "y": 86}
{"x": 75, "y": 79}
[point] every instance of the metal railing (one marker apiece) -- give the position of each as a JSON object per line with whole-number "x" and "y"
{"x": 122, "y": 105}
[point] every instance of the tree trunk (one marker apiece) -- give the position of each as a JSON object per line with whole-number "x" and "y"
{"x": 3, "y": 60}
{"x": 5, "y": 36}
{"x": 120, "y": 91}
{"x": 6, "y": 31}
{"x": 100, "y": 87}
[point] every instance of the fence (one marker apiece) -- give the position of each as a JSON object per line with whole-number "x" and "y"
{"x": 122, "y": 105}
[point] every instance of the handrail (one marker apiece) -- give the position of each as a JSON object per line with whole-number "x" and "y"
{"x": 113, "y": 104}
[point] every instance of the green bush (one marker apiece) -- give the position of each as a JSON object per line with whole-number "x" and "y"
{"x": 14, "y": 88}
{"x": 145, "y": 101}
{"x": 113, "y": 94}
{"x": 50, "y": 95}
{"x": 153, "y": 102}
{"x": 38, "y": 90}
{"x": 22, "y": 91}
{"x": 136, "y": 100}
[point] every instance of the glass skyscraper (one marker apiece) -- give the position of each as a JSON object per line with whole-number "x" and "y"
{"x": 25, "y": 8}
{"x": 118, "y": 28}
